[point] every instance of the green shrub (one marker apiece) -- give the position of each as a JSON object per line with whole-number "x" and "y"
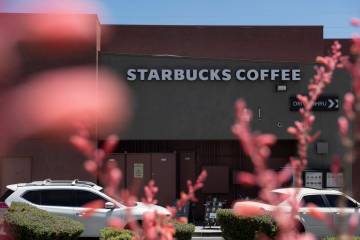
{"x": 183, "y": 231}
{"x": 115, "y": 234}
{"x": 244, "y": 228}
{"x": 26, "y": 222}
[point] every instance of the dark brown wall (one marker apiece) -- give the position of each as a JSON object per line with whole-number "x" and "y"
{"x": 209, "y": 153}
{"x": 345, "y": 45}
{"x": 293, "y": 43}
{"x": 50, "y": 158}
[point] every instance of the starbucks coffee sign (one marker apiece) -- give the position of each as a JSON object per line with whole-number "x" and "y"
{"x": 214, "y": 74}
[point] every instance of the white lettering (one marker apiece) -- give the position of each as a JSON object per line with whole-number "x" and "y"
{"x": 274, "y": 74}
{"x": 214, "y": 74}
{"x": 142, "y": 73}
{"x": 264, "y": 73}
{"x": 153, "y": 75}
{"x": 226, "y": 74}
{"x": 179, "y": 74}
{"x": 191, "y": 75}
{"x": 239, "y": 76}
{"x": 202, "y": 74}
{"x": 296, "y": 75}
{"x": 166, "y": 74}
{"x": 130, "y": 75}
{"x": 285, "y": 74}
{"x": 254, "y": 73}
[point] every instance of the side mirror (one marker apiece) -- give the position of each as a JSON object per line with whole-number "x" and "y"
{"x": 109, "y": 205}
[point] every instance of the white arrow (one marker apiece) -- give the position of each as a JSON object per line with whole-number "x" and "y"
{"x": 332, "y": 103}
{"x": 337, "y": 103}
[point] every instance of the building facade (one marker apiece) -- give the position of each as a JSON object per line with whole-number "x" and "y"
{"x": 185, "y": 81}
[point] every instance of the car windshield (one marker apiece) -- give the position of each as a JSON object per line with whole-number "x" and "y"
{"x": 119, "y": 202}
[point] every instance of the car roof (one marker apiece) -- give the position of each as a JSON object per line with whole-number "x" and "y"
{"x": 305, "y": 191}
{"x": 56, "y": 183}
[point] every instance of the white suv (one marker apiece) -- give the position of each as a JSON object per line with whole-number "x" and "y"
{"x": 67, "y": 198}
{"x": 326, "y": 201}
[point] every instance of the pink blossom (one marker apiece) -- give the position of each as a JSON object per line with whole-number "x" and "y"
{"x": 90, "y": 166}
{"x": 355, "y": 22}
{"x": 116, "y": 223}
{"x": 150, "y": 191}
{"x": 91, "y": 208}
{"x": 83, "y": 145}
{"x": 343, "y": 126}
{"x": 348, "y": 105}
{"x": 315, "y": 213}
{"x": 246, "y": 178}
{"x": 110, "y": 144}
{"x": 247, "y": 210}
{"x": 353, "y": 222}
{"x": 336, "y": 165}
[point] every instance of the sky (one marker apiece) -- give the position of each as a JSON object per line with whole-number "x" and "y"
{"x": 334, "y": 15}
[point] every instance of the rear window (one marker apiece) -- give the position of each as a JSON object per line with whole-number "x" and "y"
{"x": 86, "y": 197}
{"x": 334, "y": 201}
{"x": 64, "y": 198}
{"x": 33, "y": 197}
{"x": 6, "y": 195}
{"x": 314, "y": 199}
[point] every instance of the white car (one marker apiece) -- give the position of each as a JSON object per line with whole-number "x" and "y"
{"x": 67, "y": 198}
{"x": 326, "y": 201}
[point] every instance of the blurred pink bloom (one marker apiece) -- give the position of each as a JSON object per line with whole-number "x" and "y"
{"x": 83, "y": 145}
{"x": 190, "y": 196}
{"x": 116, "y": 223}
{"x": 91, "y": 167}
{"x": 315, "y": 213}
{"x": 343, "y": 126}
{"x": 353, "y": 223}
{"x": 306, "y": 236}
{"x": 150, "y": 191}
{"x": 60, "y": 98}
{"x": 336, "y": 165}
{"x": 355, "y": 22}
{"x": 348, "y": 105}
{"x": 91, "y": 208}
{"x": 246, "y": 178}
{"x": 110, "y": 143}
{"x": 247, "y": 210}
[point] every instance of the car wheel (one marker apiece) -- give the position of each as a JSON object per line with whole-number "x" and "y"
{"x": 300, "y": 227}
{"x": 128, "y": 226}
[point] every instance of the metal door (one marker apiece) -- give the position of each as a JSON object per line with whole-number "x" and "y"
{"x": 164, "y": 174}
{"x": 120, "y": 160}
{"x": 138, "y": 172}
{"x": 187, "y": 169}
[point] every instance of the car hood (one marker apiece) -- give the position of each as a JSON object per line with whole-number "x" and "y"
{"x": 263, "y": 206}
{"x": 142, "y": 208}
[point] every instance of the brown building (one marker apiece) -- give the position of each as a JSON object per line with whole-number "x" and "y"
{"x": 182, "y": 126}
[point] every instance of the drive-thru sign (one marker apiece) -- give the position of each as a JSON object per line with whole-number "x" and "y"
{"x": 323, "y": 103}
